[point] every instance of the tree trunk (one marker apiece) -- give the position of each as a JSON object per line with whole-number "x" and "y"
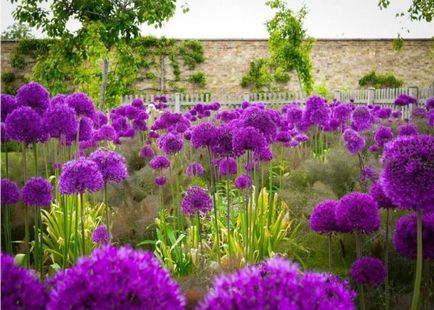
{"x": 162, "y": 73}
{"x": 105, "y": 70}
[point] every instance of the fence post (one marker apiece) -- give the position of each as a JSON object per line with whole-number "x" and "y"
{"x": 246, "y": 97}
{"x": 177, "y": 103}
{"x": 371, "y": 95}
{"x": 337, "y": 95}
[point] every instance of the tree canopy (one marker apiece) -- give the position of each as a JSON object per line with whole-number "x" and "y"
{"x": 418, "y": 10}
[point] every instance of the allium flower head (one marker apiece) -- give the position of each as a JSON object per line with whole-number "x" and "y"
{"x": 20, "y": 288}
{"x": 106, "y": 132}
{"x": 170, "y": 143}
{"x": 294, "y": 113}
{"x": 160, "y": 180}
{"x": 396, "y": 114}
{"x": 418, "y": 113}
{"x": 101, "y": 235}
{"x": 79, "y": 176}
{"x": 146, "y": 152}
{"x": 24, "y": 125}
{"x": 369, "y": 271}
{"x": 382, "y": 200}
{"x": 138, "y": 103}
{"x": 407, "y": 130}
{"x": 362, "y": 118}
{"x": 243, "y": 182}
{"x": 278, "y": 284}
{"x": 383, "y": 135}
{"x": 115, "y": 278}
{"x": 33, "y": 95}
{"x": 384, "y": 113}
{"x": 261, "y": 120}
{"x": 81, "y": 103}
{"x": 60, "y": 120}
{"x": 112, "y": 165}
{"x": 159, "y": 162}
{"x": 99, "y": 119}
{"x": 353, "y": 141}
{"x": 429, "y": 104}
{"x": 247, "y": 139}
{"x": 194, "y": 169}
{"x": 342, "y": 112}
{"x": 9, "y": 192}
{"x": 196, "y": 200}
{"x": 358, "y": 212}
{"x": 316, "y": 111}
{"x": 405, "y": 236}
{"x": 322, "y": 219}
{"x": 430, "y": 118}
{"x": 403, "y": 100}
{"x": 368, "y": 174}
{"x": 408, "y": 174}
{"x": 58, "y": 99}
{"x": 37, "y": 192}
{"x": 203, "y": 135}
{"x": 8, "y": 104}
{"x": 227, "y": 167}
{"x": 222, "y": 144}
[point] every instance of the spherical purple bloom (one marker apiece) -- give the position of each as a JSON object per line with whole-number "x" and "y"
{"x": 342, "y": 112}
{"x": 33, "y": 95}
{"x": 316, "y": 111}
{"x": 247, "y": 139}
{"x": 283, "y": 136}
{"x": 407, "y": 130}
{"x": 20, "y": 287}
{"x": 194, "y": 169}
{"x": 101, "y": 235}
{"x": 58, "y": 99}
{"x": 8, "y": 104}
{"x": 160, "y": 180}
{"x": 368, "y": 174}
{"x": 170, "y": 143}
{"x": 159, "y": 162}
{"x": 115, "y": 278}
{"x": 362, "y": 118}
{"x": 106, "y": 132}
{"x": 430, "y": 118}
{"x": 112, "y": 165}
{"x": 353, "y": 141}
{"x": 81, "y": 103}
{"x": 138, "y": 103}
{"x": 396, "y": 114}
{"x": 278, "y": 284}
{"x": 99, "y": 119}
{"x": 131, "y": 112}
{"x": 79, "y": 176}
{"x": 382, "y": 200}
{"x": 3, "y": 133}
{"x": 358, "y": 212}
{"x": 243, "y": 182}
{"x": 405, "y": 236}
{"x": 384, "y": 113}
{"x": 294, "y": 113}
{"x": 203, "y": 135}
{"x": 419, "y": 113}
{"x": 24, "y": 125}
{"x": 37, "y": 192}
{"x": 146, "y": 152}
{"x": 408, "y": 174}
{"x": 383, "y": 135}
{"x": 369, "y": 271}
{"x": 60, "y": 121}
{"x": 222, "y": 143}
{"x": 261, "y": 120}
{"x": 263, "y": 154}
{"x": 85, "y": 128}
{"x": 322, "y": 219}
{"x": 429, "y": 104}
{"x": 9, "y": 192}
{"x": 196, "y": 200}
{"x": 403, "y": 100}
{"x": 374, "y": 148}
{"x": 227, "y": 167}
{"x": 301, "y": 137}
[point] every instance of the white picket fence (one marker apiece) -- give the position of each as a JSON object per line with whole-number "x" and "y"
{"x": 384, "y": 97}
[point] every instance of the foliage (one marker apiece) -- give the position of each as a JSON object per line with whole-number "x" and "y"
{"x": 8, "y": 77}
{"x": 258, "y": 76}
{"x": 280, "y": 76}
{"x": 198, "y": 78}
{"x": 418, "y": 10}
{"x": 372, "y": 79}
{"x": 17, "y": 31}
{"x": 289, "y": 44}
{"x": 398, "y": 43}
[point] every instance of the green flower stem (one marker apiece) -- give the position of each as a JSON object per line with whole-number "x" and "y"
{"x": 330, "y": 251}
{"x": 214, "y": 202}
{"x": 386, "y": 261}
{"x": 359, "y": 254}
{"x": 246, "y": 239}
{"x": 418, "y": 279}
{"x": 107, "y": 209}
{"x": 228, "y": 216}
{"x": 26, "y": 208}
{"x": 8, "y": 230}
{"x": 199, "y": 236}
{"x": 83, "y": 237}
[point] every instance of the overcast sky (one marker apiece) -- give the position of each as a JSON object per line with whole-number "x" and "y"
{"x": 246, "y": 19}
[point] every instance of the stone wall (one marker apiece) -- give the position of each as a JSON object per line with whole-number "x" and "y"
{"x": 338, "y": 64}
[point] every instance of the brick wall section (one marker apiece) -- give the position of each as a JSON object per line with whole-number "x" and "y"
{"x": 339, "y": 64}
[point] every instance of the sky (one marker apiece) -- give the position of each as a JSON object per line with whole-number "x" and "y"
{"x": 245, "y": 19}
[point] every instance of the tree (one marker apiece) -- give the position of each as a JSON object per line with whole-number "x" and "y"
{"x": 289, "y": 44}
{"x": 17, "y": 31}
{"x": 418, "y": 10}
{"x": 115, "y": 21}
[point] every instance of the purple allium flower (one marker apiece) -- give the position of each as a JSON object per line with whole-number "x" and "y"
{"x": 358, "y": 212}
{"x": 383, "y": 135}
{"x": 83, "y": 145}
{"x": 159, "y": 162}
{"x": 294, "y": 113}
{"x": 278, "y": 284}
{"x": 353, "y": 141}
{"x": 196, "y": 200}
{"x": 247, "y": 139}
{"x": 407, "y": 130}
{"x": 58, "y": 99}
{"x": 146, "y": 152}
{"x": 283, "y": 136}
{"x": 3, "y": 133}
{"x": 368, "y": 270}
{"x": 24, "y": 125}
{"x": 8, "y": 104}
{"x": 115, "y": 278}
{"x": 322, "y": 219}
{"x": 429, "y": 104}
{"x": 316, "y": 111}
{"x": 384, "y": 113}
{"x": 20, "y": 287}
{"x": 382, "y": 200}
{"x": 106, "y": 132}
{"x": 101, "y": 235}
{"x": 203, "y": 135}
{"x": 301, "y": 137}
{"x": 405, "y": 236}
{"x": 362, "y": 118}
{"x": 396, "y": 114}
{"x": 263, "y": 154}
{"x": 160, "y": 180}
{"x": 368, "y": 174}
{"x": 404, "y": 99}
{"x": 243, "y": 182}
{"x": 194, "y": 169}
{"x": 418, "y": 113}
{"x": 85, "y": 128}
{"x": 261, "y": 120}
{"x": 131, "y": 112}
{"x": 222, "y": 144}
{"x": 37, "y": 192}
{"x": 227, "y": 167}
{"x": 408, "y": 174}
{"x": 170, "y": 143}
{"x": 99, "y": 119}
{"x": 111, "y": 165}
{"x": 374, "y": 148}
{"x": 342, "y": 112}
{"x": 10, "y": 194}
{"x": 430, "y": 118}
{"x": 79, "y": 176}
{"x": 60, "y": 120}
{"x": 81, "y": 103}
{"x": 33, "y": 95}
{"x": 138, "y": 103}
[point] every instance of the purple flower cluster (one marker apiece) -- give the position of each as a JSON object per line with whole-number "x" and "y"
{"x": 160, "y": 180}
{"x": 194, "y": 169}
{"x": 243, "y": 182}
{"x": 10, "y": 194}
{"x": 81, "y": 103}
{"x": 159, "y": 162}
{"x": 8, "y": 104}
{"x": 383, "y": 135}
{"x": 203, "y": 135}
{"x": 146, "y": 152}
{"x": 172, "y": 122}
{"x": 369, "y": 271}
{"x": 33, "y": 95}
{"x": 37, "y": 192}
{"x": 79, "y": 176}
{"x": 403, "y": 100}
{"x": 101, "y": 235}
{"x": 111, "y": 165}
{"x": 115, "y": 278}
{"x": 227, "y": 167}
{"x": 361, "y": 118}
{"x": 24, "y": 125}
{"x": 60, "y": 121}
{"x": 353, "y": 141}
{"x": 407, "y": 130}
{"x": 196, "y": 200}
{"x": 170, "y": 143}
{"x": 323, "y": 219}
{"x": 278, "y": 284}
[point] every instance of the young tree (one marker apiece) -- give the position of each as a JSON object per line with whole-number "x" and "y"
{"x": 289, "y": 44}
{"x": 17, "y": 31}
{"x": 116, "y": 20}
{"x": 418, "y": 10}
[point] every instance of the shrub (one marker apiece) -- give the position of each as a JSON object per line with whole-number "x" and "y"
{"x": 372, "y": 79}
